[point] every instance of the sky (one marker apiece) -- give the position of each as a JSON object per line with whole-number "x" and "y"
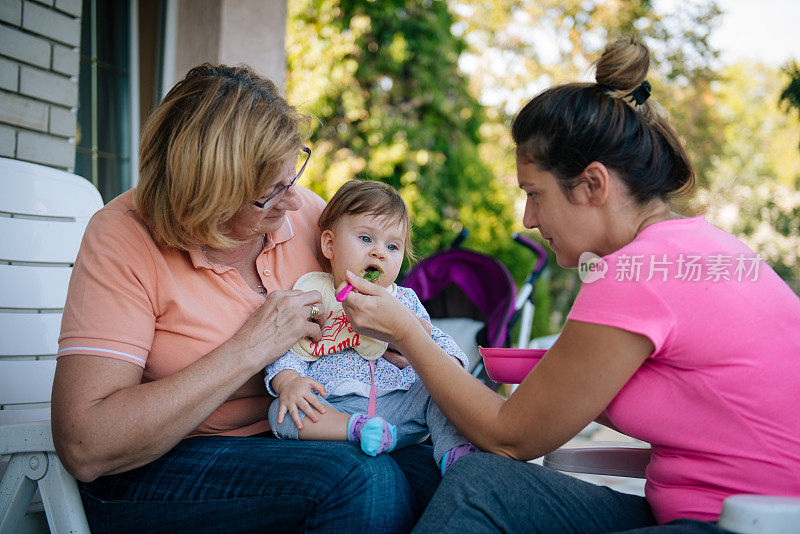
{"x": 766, "y": 30}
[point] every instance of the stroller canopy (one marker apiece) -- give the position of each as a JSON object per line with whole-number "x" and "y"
{"x": 463, "y": 283}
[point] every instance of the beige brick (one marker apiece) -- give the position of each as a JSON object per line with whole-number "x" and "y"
{"x": 46, "y": 149}
{"x": 8, "y": 141}
{"x": 63, "y": 121}
{"x": 24, "y": 47}
{"x": 51, "y": 23}
{"x": 48, "y": 86}
{"x": 9, "y": 75}
{"x": 21, "y": 111}
{"x": 73, "y": 7}
{"x": 11, "y": 11}
{"x": 66, "y": 60}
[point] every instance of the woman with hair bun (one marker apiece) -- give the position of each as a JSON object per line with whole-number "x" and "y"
{"x": 680, "y": 336}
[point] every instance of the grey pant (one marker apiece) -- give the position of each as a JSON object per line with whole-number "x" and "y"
{"x": 413, "y": 412}
{"x": 486, "y": 493}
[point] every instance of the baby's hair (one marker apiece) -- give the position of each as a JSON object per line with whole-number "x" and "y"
{"x": 358, "y": 197}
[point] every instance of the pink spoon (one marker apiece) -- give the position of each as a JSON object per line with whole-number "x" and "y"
{"x": 370, "y": 275}
{"x": 341, "y": 295}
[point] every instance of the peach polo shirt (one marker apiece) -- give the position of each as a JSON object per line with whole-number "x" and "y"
{"x": 163, "y": 309}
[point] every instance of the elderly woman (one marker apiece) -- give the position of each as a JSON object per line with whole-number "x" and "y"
{"x": 177, "y": 302}
{"x": 696, "y": 350}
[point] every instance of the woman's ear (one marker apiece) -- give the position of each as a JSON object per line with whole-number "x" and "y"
{"x": 596, "y": 182}
{"x": 326, "y": 244}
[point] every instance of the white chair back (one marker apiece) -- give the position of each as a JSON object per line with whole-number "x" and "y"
{"x": 43, "y": 214}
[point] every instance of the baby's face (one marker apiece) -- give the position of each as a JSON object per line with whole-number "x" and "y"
{"x": 361, "y": 242}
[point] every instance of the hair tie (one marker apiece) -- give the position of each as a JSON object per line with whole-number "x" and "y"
{"x": 641, "y": 93}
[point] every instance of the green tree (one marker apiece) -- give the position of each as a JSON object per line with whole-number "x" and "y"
{"x": 390, "y": 103}
{"x": 393, "y": 85}
{"x": 753, "y": 190}
{"x": 755, "y": 147}
{"x": 517, "y": 48}
{"x": 790, "y": 95}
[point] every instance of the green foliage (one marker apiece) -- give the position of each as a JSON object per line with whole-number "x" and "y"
{"x": 765, "y": 215}
{"x": 752, "y": 190}
{"x": 754, "y": 147}
{"x": 382, "y": 79}
{"x": 391, "y": 84}
{"x": 790, "y": 95}
{"x": 517, "y": 48}
{"x": 543, "y": 308}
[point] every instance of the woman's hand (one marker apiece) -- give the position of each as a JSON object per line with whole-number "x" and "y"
{"x": 283, "y": 319}
{"x": 374, "y": 312}
{"x": 297, "y": 393}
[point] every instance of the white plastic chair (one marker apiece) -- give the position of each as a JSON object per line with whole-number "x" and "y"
{"x": 43, "y": 214}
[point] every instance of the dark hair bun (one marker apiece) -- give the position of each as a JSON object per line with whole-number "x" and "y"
{"x": 567, "y": 127}
{"x": 623, "y": 65}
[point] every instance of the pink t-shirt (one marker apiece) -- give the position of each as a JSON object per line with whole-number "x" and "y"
{"x": 718, "y": 399}
{"x": 163, "y": 309}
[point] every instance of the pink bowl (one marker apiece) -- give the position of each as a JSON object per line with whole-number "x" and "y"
{"x": 510, "y": 366}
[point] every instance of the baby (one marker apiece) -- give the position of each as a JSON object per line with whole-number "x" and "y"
{"x": 345, "y": 383}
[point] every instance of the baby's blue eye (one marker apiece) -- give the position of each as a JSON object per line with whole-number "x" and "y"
{"x": 531, "y": 194}
{"x": 392, "y": 247}
{"x": 365, "y": 238}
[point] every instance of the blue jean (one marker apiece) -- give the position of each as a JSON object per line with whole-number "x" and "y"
{"x": 262, "y": 484}
{"x": 485, "y": 493}
{"x": 413, "y": 412}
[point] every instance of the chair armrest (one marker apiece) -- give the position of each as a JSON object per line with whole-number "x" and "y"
{"x": 760, "y": 514}
{"x": 26, "y": 437}
{"x": 601, "y": 458}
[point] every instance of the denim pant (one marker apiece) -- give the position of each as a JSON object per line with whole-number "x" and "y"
{"x": 485, "y": 493}
{"x": 262, "y": 484}
{"x": 413, "y": 412}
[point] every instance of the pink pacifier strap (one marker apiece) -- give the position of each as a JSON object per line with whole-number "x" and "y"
{"x": 371, "y": 405}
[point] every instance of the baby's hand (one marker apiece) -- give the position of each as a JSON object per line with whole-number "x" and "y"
{"x": 297, "y": 393}
{"x": 395, "y": 358}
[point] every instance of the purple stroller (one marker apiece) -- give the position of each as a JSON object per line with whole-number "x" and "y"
{"x": 470, "y": 296}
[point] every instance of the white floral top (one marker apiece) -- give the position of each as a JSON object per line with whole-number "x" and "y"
{"x": 346, "y": 372}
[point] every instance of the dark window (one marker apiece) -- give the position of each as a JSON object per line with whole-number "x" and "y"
{"x": 104, "y": 111}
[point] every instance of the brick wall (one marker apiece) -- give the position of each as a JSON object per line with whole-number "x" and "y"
{"x": 39, "y": 45}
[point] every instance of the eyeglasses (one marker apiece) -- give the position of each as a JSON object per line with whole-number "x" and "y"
{"x": 302, "y": 161}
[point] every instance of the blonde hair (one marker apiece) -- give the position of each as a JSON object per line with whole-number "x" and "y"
{"x": 373, "y": 198}
{"x": 215, "y": 143}
{"x": 568, "y": 126}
